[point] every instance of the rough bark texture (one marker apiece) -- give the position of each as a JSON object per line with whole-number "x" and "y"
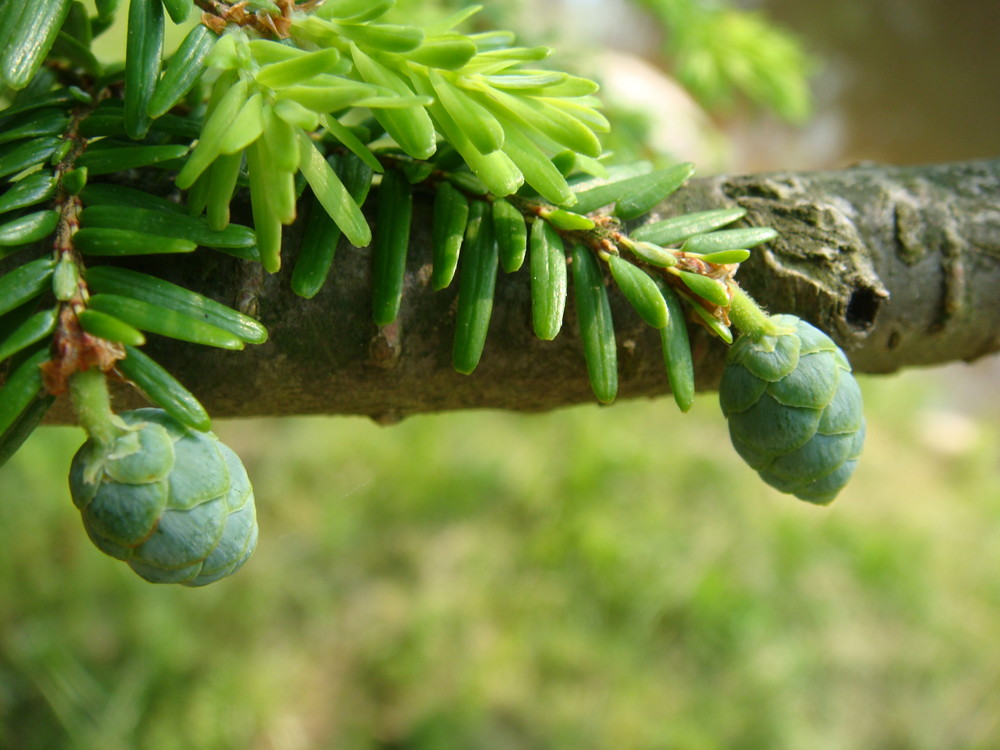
{"x": 900, "y": 265}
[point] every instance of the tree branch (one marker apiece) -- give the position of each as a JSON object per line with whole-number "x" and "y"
{"x": 900, "y": 265}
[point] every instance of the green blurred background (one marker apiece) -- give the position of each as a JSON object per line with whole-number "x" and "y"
{"x": 591, "y": 578}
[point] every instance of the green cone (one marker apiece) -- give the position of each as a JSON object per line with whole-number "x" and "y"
{"x": 794, "y": 409}
{"x": 172, "y": 502}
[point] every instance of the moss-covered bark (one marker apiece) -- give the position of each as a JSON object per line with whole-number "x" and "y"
{"x": 900, "y": 265}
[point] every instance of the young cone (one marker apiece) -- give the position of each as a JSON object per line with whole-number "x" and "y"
{"x": 794, "y": 409}
{"x": 172, "y": 502}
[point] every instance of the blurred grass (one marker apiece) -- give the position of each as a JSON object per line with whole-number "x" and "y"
{"x": 591, "y": 578}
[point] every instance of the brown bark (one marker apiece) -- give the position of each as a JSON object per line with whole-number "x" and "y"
{"x": 900, "y": 265}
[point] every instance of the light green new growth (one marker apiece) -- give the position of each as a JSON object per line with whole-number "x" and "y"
{"x": 89, "y": 391}
{"x": 311, "y": 108}
{"x": 747, "y": 316}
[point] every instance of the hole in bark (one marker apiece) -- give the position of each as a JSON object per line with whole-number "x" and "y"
{"x": 862, "y": 308}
